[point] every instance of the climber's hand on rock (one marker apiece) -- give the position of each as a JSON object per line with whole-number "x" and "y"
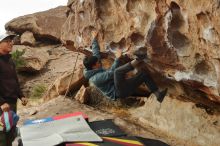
{"x": 94, "y": 34}
{"x": 118, "y": 53}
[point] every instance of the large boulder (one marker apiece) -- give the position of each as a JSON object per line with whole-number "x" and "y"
{"x": 69, "y": 81}
{"x": 45, "y": 25}
{"x": 60, "y": 61}
{"x": 182, "y": 120}
{"x": 182, "y": 36}
{"x": 185, "y": 47}
{"x": 82, "y": 95}
{"x": 183, "y": 44}
{"x": 27, "y": 38}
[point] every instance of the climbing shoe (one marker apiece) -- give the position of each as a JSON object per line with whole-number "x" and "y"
{"x": 161, "y": 94}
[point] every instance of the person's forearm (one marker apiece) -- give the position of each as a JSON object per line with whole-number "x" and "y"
{"x": 96, "y": 48}
{"x": 115, "y": 64}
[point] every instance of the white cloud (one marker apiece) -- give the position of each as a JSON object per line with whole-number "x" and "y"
{"x": 10, "y": 9}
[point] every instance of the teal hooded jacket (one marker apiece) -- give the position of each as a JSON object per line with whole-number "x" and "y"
{"x": 102, "y": 78}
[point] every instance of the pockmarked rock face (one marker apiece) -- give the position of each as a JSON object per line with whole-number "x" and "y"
{"x": 182, "y": 36}
{"x": 189, "y": 43}
{"x": 120, "y": 22}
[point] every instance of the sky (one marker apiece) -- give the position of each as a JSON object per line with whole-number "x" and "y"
{"x": 10, "y": 9}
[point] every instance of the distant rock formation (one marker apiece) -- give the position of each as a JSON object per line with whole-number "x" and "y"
{"x": 45, "y": 25}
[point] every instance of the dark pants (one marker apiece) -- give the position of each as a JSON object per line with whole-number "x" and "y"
{"x": 6, "y": 138}
{"x": 126, "y": 87}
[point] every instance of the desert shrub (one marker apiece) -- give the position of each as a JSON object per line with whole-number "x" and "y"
{"x": 17, "y": 58}
{"x": 38, "y": 91}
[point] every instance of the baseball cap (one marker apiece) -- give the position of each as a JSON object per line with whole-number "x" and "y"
{"x": 7, "y": 37}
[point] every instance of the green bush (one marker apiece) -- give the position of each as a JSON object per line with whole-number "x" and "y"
{"x": 17, "y": 58}
{"x": 38, "y": 91}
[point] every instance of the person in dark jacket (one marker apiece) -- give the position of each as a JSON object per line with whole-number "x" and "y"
{"x": 9, "y": 86}
{"x": 113, "y": 82}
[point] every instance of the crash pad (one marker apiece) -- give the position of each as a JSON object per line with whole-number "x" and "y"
{"x": 106, "y": 128}
{"x": 72, "y": 129}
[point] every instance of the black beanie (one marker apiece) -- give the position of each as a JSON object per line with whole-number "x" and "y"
{"x": 90, "y": 61}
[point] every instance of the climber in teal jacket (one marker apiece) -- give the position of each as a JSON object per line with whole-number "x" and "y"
{"x": 101, "y": 78}
{"x": 113, "y": 82}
